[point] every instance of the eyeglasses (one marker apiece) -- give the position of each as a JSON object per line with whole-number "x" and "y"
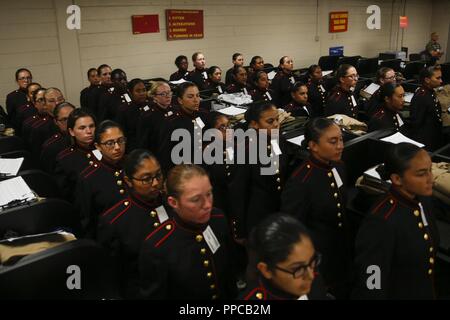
{"x": 164, "y": 94}
{"x": 57, "y": 100}
{"x": 301, "y": 271}
{"x": 24, "y": 78}
{"x": 353, "y": 76}
{"x": 112, "y": 143}
{"x": 390, "y": 78}
{"x": 40, "y": 100}
{"x": 149, "y": 180}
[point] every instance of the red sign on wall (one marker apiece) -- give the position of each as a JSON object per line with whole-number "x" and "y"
{"x": 338, "y": 21}
{"x": 403, "y": 22}
{"x": 145, "y": 23}
{"x": 184, "y": 24}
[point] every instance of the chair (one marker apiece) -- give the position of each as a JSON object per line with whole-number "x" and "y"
{"x": 268, "y": 67}
{"x": 328, "y": 62}
{"x": 443, "y": 152}
{"x": 387, "y": 56}
{"x": 363, "y": 153}
{"x": 415, "y": 57}
{"x": 10, "y": 143}
{"x": 412, "y": 70}
{"x": 445, "y": 68}
{"x": 45, "y": 275}
{"x": 41, "y": 182}
{"x": 367, "y": 67}
{"x": 410, "y": 86}
{"x": 41, "y": 216}
{"x": 392, "y": 63}
{"x": 348, "y": 60}
{"x": 301, "y": 74}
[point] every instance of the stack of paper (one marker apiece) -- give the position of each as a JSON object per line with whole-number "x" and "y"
{"x": 236, "y": 99}
{"x": 232, "y": 111}
{"x": 15, "y": 189}
{"x": 398, "y": 138}
{"x": 10, "y": 167}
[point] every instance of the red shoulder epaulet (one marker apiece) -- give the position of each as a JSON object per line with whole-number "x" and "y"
{"x": 379, "y": 114}
{"x": 258, "y": 293}
{"x": 65, "y": 153}
{"x": 288, "y": 106}
{"x": 121, "y": 202}
{"x": 90, "y": 169}
{"x": 161, "y": 233}
{"x": 385, "y": 207}
{"x": 29, "y": 120}
{"x": 335, "y": 95}
{"x": 303, "y": 172}
{"x": 39, "y": 123}
{"x": 126, "y": 204}
{"x": 23, "y": 107}
{"x": 51, "y": 140}
{"x": 420, "y": 92}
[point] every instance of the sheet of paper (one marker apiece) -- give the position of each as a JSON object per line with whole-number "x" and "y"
{"x": 398, "y": 137}
{"x": 372, "y": 172}
{"x": 61, "y": 232}
{"x": 232, "y": 111}
{"x": 297, "y": 140}
{"x": 178, "y": 81}
{"x": 15, "y": 189}
{"x": 326, "y": 72}
{"x": 372, "y": 88}
{"x": 235, "y": 99}
{"x": 408, "y": 97}
{"x": 271, "y": 75}
{"x": 10, "y": 167}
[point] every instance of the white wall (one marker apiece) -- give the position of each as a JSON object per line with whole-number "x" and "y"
{"x": 28, "y": 38}
{"x": 441, "y": 24}
{"x": 33, "y": 35}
